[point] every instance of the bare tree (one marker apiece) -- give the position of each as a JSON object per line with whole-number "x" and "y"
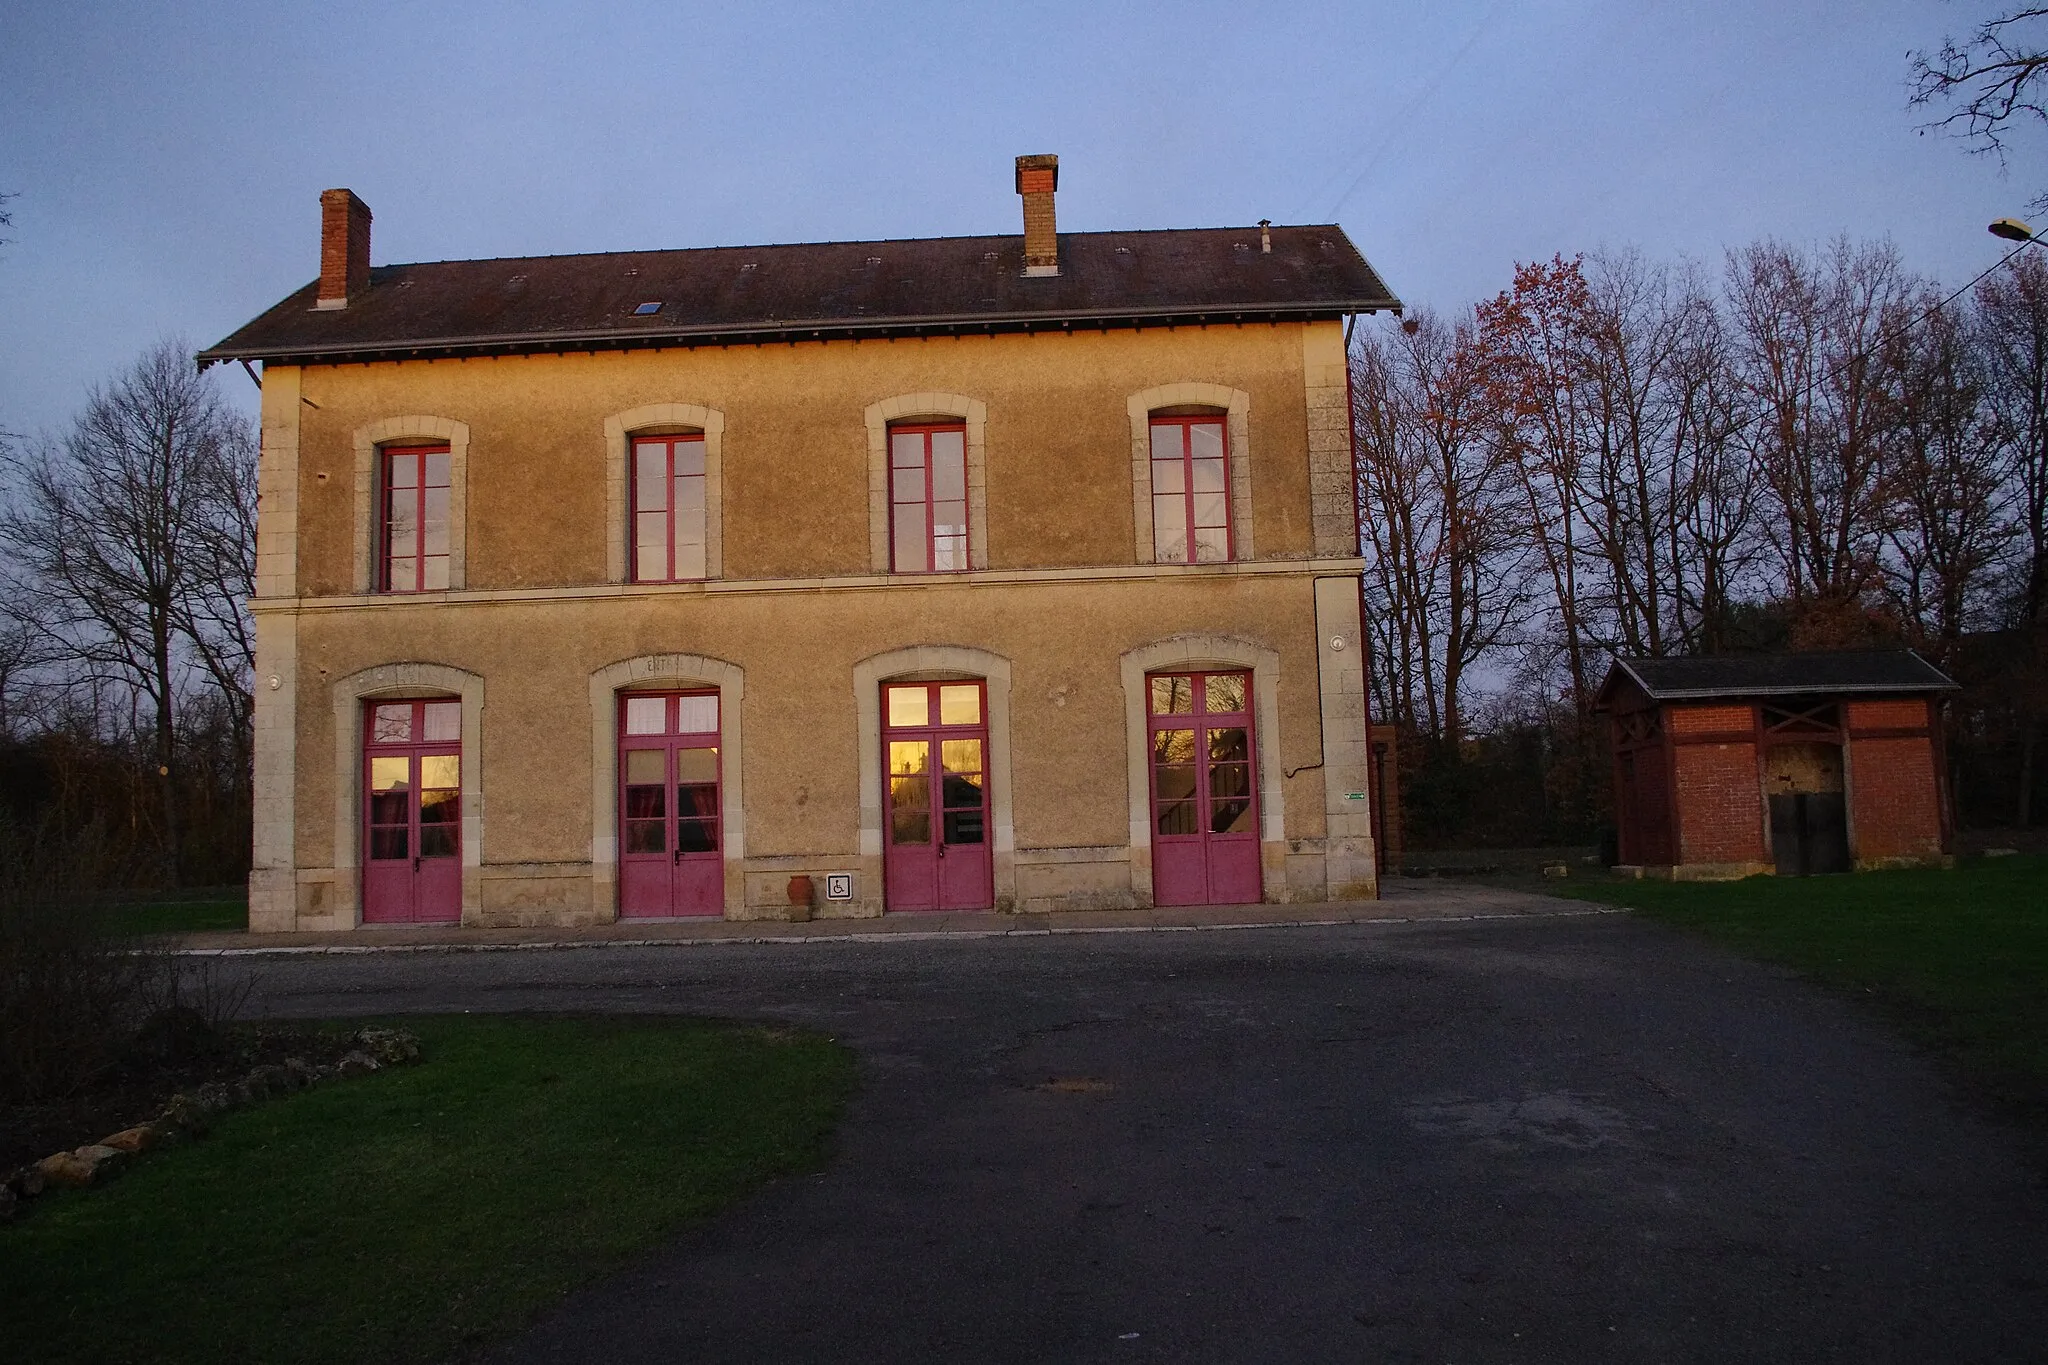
{"x": 2013, "y": 307}
{"x": 107, "y": 531}
{"x": 1946, "y": 530}
{"x": 1445, "y": 578}
{"x": 1535, "y": 341}
{"x": 1988, "y": 81}
{"x": 1807, "y": 331}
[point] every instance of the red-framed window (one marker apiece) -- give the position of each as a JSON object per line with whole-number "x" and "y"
{"x": 928, "y": 497}
{"x": 668, "y": 508}
{"x": 1190, "y": 490}
{"x": 413, "y": 528}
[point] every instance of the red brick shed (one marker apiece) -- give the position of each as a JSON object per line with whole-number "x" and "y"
{"x": 1732, "y": 765}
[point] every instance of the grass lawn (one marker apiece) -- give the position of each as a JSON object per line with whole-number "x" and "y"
{"x": 416, "y": 1212}
{"x": 182, "y": 912}
{"x": 1959, "y": 959}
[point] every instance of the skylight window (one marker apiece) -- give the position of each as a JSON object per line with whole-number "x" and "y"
{"x": 647, "y": 310}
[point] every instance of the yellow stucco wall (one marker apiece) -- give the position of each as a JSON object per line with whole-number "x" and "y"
{"x": 798, "y": 649}
{"x": 796, "y": 606}
{"x": 796, "y": 456}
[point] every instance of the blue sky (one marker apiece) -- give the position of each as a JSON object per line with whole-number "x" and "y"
{"x": 168, "y": 156}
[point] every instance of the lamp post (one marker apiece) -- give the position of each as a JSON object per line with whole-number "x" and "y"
{"x": 2012, "y": 229}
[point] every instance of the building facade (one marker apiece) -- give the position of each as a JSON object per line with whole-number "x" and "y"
{"x": 1789, "y": 764}
{"x": 1013, "y": 572}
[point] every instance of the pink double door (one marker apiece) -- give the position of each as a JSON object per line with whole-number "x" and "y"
{"x": 1205, "y": 809}
{"x": 935, "y": 744}
{"x": 670, "y": 861}
{"x": 412, "y": 812}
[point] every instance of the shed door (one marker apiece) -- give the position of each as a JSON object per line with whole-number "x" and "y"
{"x": 412, "y": 812}
{"x": 670, "y": 859}
{"x": 1205, "y": 809}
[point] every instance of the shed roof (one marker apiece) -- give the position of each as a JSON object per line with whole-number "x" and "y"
{"x": 724, "y": 295}
{"x": 1772, "y": 675}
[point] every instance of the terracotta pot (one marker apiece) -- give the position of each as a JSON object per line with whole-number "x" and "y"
{"x": 801, "y": 894}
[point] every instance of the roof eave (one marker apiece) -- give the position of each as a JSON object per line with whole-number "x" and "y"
{"x": 810, "y": 330}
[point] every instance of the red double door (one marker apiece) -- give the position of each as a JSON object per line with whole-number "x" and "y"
{"x": 935, "y": 743}
{"x": 1205, "y": 809}
{"x": 669, "y": 838}
{"x": 412, "y": 812}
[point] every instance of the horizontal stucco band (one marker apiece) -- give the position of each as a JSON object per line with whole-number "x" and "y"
{"x": 994, "y": 578}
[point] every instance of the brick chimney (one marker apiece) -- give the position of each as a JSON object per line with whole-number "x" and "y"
{"x": 1037, "y": 178}
{"x": 344, "y": 248}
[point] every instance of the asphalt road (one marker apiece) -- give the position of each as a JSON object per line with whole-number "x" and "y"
{"x": 1574, "y": 1139}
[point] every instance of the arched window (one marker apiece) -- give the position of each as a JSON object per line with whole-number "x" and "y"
{"x": 1190, "y": 470}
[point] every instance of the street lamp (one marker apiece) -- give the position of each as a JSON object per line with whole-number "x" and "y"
{"x": 2012, "y": 229}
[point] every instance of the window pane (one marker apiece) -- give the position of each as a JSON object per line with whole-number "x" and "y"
{"x": 1166, "y": 441}
{"x": 646, "y": 836}
{"x": 405, "y": 575}
{"x": 906, "y": 448}
{"x": 1209, "y": 476}
{"x": 441, "y": 771}
{"x": 437, "y": 469}
{"x": 650, "y": 477}
{"x": 438, "y": 841}
{"x": 1210, "y": 512}
{"x": 911, "y": 549}
{"x": 689, "y": 562}
{"x": 434, "y": 573}
{"x": 689, "y": 457}
{"x": 910, "y": 756}
{"x": 400, "y": 523}
{"x": 697, "y": 802}
{"x": 949, "y": 554}
{"x": 949, "y": 446}
{"x": 697, "y": 836}
{"x": 1212, "y": 545}
{"x": 961, "y": 790}
{"x": 390, "y": 808}
{"x": 436, "y": 524}
{"x": 440, "y": 807}
{"x": 697, "y": 716}
{"x": 1230, "y": 780}
{"x": 949, "y": 469}
{"x": 650, "y": 554}
{"x": 960, "y": 704}
{"x": 1205, "y": 440}
{"x": 949, "y": 519}
{"x": 390, "y": 774}
{"x": 647, "y": 803}
{"x": 690, "y": 495}
{"x": 964, "y": 826}
{"x": 1173, "y": 696}
{"x": 1170, "y": 528}
{"x": 1223, "y": 692}
{"x": 646, "y": 715}
{"x": 391, "y": 842}
{"x": 697, "y": 765}
{"x": 646, "y": 767}
{"x": 907, "y": 485}
{"x": 1173, "y": 746}
{"x": 391, "y": 724}
{"x": 1169, "y": 476}
{"x": 910, "y": 825}
{"x": 909, "y": 705}
{"x": 1175, "y": 789}
{"x": 1231, "y": 817}
{"x": 960, "y": 756}
{"x": 444, "y": 721}
{"x": 403, "y": 471}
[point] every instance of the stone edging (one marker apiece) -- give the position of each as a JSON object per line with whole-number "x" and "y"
{"x": 189, "y": 1116}
{"x": 905, "y": 935}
